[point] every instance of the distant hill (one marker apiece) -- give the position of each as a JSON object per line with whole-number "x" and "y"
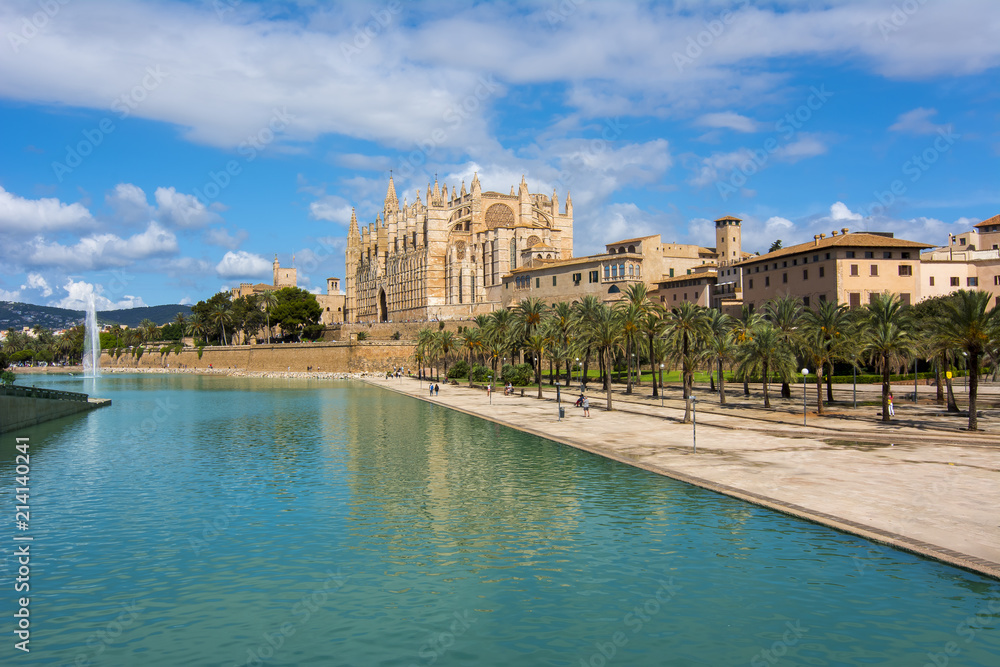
{"x": 14, "y": 315}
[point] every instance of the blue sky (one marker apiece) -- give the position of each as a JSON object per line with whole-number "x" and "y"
{"x": 157, "y": 152}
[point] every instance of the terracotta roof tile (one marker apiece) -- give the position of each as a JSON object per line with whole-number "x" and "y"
{"x": 849, "y": 240}
{"x": 995, "y": 220}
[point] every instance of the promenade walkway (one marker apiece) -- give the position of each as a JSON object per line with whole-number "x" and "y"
{"x": 919, "y": 483}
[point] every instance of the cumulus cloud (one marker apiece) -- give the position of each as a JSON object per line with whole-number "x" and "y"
{"x": 129, "y": 203}
{"x": 102, "y": 251}
{"x": 917, "y": 121}
{"x": 10, "y": 295}
{"x": 181, "y": 209}
{"x": 78, "y": 295}
{"x": 221, "y": 237}
{"x": 19, "y": 215}
{"x": 331, "y": 208}
{"x": 242, "y": 264}
{"x": 37, "y": 281}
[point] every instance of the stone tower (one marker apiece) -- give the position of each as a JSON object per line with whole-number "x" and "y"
{"x": 728, "y": 241}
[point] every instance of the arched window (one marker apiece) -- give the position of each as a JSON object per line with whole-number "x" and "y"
{"x": 614, "y": 270}
{"x": 621, "y": 270}
{"x": 513, "y": 254}
{"x": 629, "y": 270}
{"x": 631, "y": 248}
{"x": 614, "y": 289}
{"x": 607, "y": 271}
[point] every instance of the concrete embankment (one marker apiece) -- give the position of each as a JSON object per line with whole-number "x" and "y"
{"x": 21, "y": 407}
{"x": 915, "y": 484}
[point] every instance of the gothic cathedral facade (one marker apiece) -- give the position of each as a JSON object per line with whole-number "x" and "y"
{"x": 445, "y": 259}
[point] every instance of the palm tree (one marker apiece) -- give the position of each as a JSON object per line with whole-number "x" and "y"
{"x": 197, "y": 327}
{"x": 501, "y": 329}
{"x": 529, "y": 315}
{"x": 631, "y": 316}
{"x": 764, "y": 353}
{"x": 720, "y": 347}
{"x": 472, "y": 341}
{"x": 972, "y": 326}
{"x": 742, "y": 329}
{"x": 784, "y": 313}
{"x": 586, "y": 313}
{"x": 425, "y": 348}
{"x": 651, "y": 327}
{"x": 221, "y": 316}
{"x": 637, "y": 294}
{"x": 537, "y": 343}
{"x": 887, "y": 341}
{"x": 686, "y": 328}
{"x": 147, "y": 329}
{"x": 605, "y": 334}
{"x": 267, "y": 300}
{"x": 444, "y": 343}
{"x": 825, "y": 335}
{"x": 560, "y": 325}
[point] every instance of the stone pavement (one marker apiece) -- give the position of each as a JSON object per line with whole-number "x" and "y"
{"x": 919, "y": 483}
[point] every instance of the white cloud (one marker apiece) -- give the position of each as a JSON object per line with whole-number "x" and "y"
{"x": 103, "y": 250}
{"x": 840, "y": 212}
{"x": 916, "y": 121}
{"x": 129, "y": 203}
{"x": 333, "y": 208}
{"x": 221, "y": 237}
{"x": 181, "y": 209}
{"x": 186, "y": 301}
{"x": 19, "y": 215}
{"x": 242, "y": 264}
{"x": 78, "y": 295}
{"x": 11, "y": 295}
{"x": 37, "y": 281}
{"x": 806, "y": 146}
{"x": 729, "y": 120}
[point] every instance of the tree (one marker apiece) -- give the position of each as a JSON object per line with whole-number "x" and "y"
{"x": 221, "y": 316}
{"x": 630, "y": 315}
{"x": 444, "y": 343}
{"x": 586, "y": 313}
{"x": 267, "y": 301}
{"x": 652, "y": 326}
{"x": 686, "y": 329}
{"x": 296, "y": 309}
{"x": 825, "y": 336}
{"x": 605, "y": 334}
{"x": 775, "y": 246}
{"x": 742, "y": 329}
{"x": 972, "y": 326}
{"x": 472, "y": 341}
{"x": 763, "y": 353}
{"x": 720, "y": 347}
{"x": 784, "y": 313}
{"x": 887, "y": 342}
{"x": 537, "y": 343}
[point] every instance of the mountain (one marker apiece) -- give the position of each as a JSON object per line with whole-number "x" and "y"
{"x": 14, "y": 315}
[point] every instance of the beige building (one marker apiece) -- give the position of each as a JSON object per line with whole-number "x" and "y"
{"x": 446, "y": 259}
{"x": 848, "y": 268}
{"x": 971, "y": 260}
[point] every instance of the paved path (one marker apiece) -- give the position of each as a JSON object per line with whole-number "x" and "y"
{"x": 919, "y": 483}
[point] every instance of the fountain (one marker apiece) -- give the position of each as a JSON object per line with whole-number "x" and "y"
{"x": 91, "y": 343}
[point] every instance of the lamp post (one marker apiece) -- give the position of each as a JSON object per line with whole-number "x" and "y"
{"x": 965, "y": 362}
{"x": 490, "y": 392}
{"x": 805, "y": 372}
{"x": 854, "y": 371}
{"x": 581, "y": 371}
{"x": 661, "y": 385}
{"x": 914, "y": 379}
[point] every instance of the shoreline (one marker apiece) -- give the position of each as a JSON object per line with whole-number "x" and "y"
{"x": 929, "y": 488}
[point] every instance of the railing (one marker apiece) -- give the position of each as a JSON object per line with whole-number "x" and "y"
{"x": 36, "y": 392}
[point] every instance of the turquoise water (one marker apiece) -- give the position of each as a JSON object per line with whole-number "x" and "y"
{"x": 218, "y": 521}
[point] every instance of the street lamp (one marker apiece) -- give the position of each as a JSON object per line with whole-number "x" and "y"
{"x": 805, "y": 372}
{"x": 490, "y": 390}
{"x": 578, "y": 363}
{"x": 694, "y": 425}
{"x": 965, "y": 362}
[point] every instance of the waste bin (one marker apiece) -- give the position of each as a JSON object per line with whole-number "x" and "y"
{"x": 562, "y": 412}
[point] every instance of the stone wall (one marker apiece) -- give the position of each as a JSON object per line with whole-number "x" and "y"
{"x": 340, "y": 357}
{"x": 17, "y": 412}
{"x": 383, "y": 331}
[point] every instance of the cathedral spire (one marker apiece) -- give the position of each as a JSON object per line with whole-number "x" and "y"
{"x": 352, "y": 230}
{"x": 463, "y": 188}
{"x": 437, "y": 191}
{"x": 391, "y": 202}
{"x": 477, "y": 189}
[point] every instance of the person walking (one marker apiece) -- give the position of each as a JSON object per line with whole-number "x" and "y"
{"x": 437, "y": 389}
{"x": 586, "y": 406}
{"x": 432, "y": 388}
{"x": 892, "y": 410}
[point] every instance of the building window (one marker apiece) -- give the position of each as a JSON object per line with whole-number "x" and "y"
{"x": 854, "y": 270}
{"x": 855, "y": 300}
{"x": 849, "y": 254}
{"x": 805, "y": 274}
{"x": 904, "y": 297}
{"x": 513, "y": 254}
{"x": 874, "y": 270}
{"x": 784, "y": 277}
{"x": 932, "y": 281}
{"x": 538, "y": 282}
{"x": 954, "y": 281}
{"x": 887, "y": 255}
{"x": 905, "y": 270}
{"x": 595, "y": 276}
{"x": 767, "y": 281}
{"x": 972, "y": 282}
{"x": 904, "y": 255}
{"x": 553, "y": 281}
{"x": 996, "y": 280}
{"x": 675, "y": 296}
{"x": 816, "y": 258}
{"x": 805, "y": 301}
{"x": 784, "y": 265}
{"x": 822, "y": 298}
{"x": 614, "y": 270}
{"x": 828, "y": 255}
{"x": 795, "y": 262}
{"x": 871, "y": 297}
{"x": 869, "y": 254}
{"x": 607, "y": 271}
{"x": 577, "y": 277}
{"x": 822, "y": 272}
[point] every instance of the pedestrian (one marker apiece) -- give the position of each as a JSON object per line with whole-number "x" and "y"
{"x": 586, "y": 406}
{"x": 437, "y": 389}
{"x": 432, "y": 388}
{"x": 489, "y": 388}
{"x": 892, "y": 410}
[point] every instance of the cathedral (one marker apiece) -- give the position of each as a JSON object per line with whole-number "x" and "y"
{"x": 446, "y": 258}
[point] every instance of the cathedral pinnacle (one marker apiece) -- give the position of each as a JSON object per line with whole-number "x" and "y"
{"x": 391, "y": 202}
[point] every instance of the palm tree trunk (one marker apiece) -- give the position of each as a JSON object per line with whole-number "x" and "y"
{"x": 607, "y": 377}
{"x": 973, "y": 389}
{"x": 819, "y": 392}
{"x": 722, "y": 386}
{"x": 767, "y": 399}
{"x": 628, "y": 363}
{"x": 538, "y": 375}
{"x": 786, "y": 390}
{"x": 829, "y": 383}
{"x": 937, "y": 381}
{"x": 652, "y": 367}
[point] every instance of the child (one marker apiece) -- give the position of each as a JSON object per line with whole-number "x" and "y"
{"x": 892, "y": 411}
{"x": 586, "y": 406}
